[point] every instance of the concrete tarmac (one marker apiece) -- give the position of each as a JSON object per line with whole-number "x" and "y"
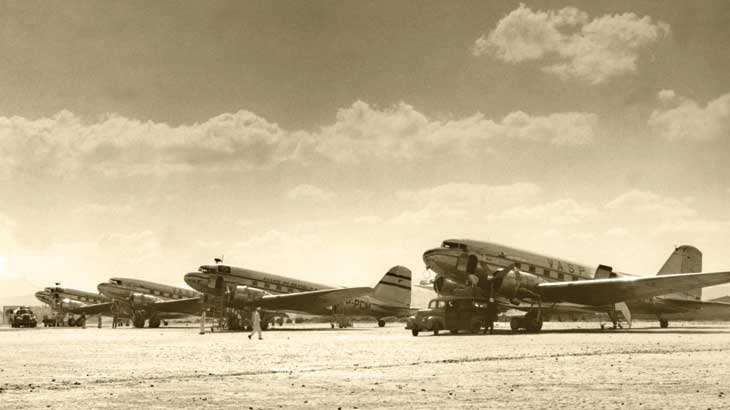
{"x": 571, "y": 365}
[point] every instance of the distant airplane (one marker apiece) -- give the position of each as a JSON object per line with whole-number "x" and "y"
{"x": 245, "y": 288}
{"x": 67, "y": 301}
{"x": 541, "y": 285}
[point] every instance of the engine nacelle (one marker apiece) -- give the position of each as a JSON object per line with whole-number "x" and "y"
{"x": 515, "y": 284}
{"x": 448, "y": 287}
{"x": 141, "y": 300}
{"x": 241, "y": 295}
{"x": 68, "y": 304}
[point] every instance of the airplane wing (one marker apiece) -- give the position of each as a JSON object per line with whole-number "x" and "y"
{"x": 606, "y": 291}
{"x": 190, "y": 306}
{"x": 95, "y": 309}
{"x": 309, "y": 301}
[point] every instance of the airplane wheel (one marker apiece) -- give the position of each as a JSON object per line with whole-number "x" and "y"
{"x": 71, "y": 322}
{"x": 414, "y": 332}
{"x": 154, "y": 322}
{"x": 663, "y": 323}
{"x": 436, "y": 329}
{"x": 381, "y": 323}
{"x": 514, "y": 324}
{"x": 138, "y": 322}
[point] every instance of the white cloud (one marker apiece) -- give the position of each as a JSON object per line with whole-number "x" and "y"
{"x": 687, "y": 120}
{"x": 666, "y": 95}
{"x": 461, "y": 200}
{"x": 65, "y": 145}
{"x": 401, "y": 133}
{"x": 589, "y": 50}
{"x": 561, "y": 212}
{"x": 96, "y": 209}
{"x": 650, "y": 203}
{"x": 306, "y": 192}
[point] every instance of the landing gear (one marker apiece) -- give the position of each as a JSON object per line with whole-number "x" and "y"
{"x": 663, "y": 323}
{"x": 381, "y": 323}
{"x": 138, "y": 321}
{"x": 154, "y": 322}
{"x": 532, "y": 321}
{"x": 71, "y": 321}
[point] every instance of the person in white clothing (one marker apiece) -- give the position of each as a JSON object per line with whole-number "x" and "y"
{"x": 256, "y": 322}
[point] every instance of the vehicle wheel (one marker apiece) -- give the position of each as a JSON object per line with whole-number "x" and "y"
{"x": 436, "y": 329}
{"x": 663, "y": 323}
{"x": 80, "y": 322}
{"x": 414, "y": 332}
{"x": 381, "y": 323}
{"x": 514, "y": 324}
{"x": 476, "y": 327}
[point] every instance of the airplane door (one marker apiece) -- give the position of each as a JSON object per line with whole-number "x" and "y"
{"x": 461, "y": 262}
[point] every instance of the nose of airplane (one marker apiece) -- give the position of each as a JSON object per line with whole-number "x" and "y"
{"x": 109, "y": 290}
{"x": 440, "y": 260}
{"x": 196, "y": 280}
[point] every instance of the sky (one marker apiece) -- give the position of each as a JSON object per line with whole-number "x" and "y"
{"x": 329, "y": 141}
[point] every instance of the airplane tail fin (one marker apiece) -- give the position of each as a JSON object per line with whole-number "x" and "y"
{"x": 684, "y": 259}
{"x": 395, "y": 287}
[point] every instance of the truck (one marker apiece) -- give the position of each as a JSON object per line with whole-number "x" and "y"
{"x": 23, "y": 317}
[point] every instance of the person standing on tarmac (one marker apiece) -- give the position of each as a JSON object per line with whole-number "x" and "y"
{"x": 256, "y": 322}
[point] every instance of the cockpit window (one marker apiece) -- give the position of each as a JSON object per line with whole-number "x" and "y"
{"x": 453, "y": 245}
{"x": 205, "y": 269}
{"x": 115, "y": 281}
{"x": 224, "y": 269}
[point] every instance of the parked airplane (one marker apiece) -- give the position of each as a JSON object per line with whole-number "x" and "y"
{"x": 143, "y": 300}
{"x": 245, "y": 288}
{"x": 537, "y": 284}
{"x": 67, "y": 301}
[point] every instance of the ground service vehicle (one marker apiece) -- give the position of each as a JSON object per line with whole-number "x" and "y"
{"x": 450, "y": 312}
{"x": 23, "y": 317}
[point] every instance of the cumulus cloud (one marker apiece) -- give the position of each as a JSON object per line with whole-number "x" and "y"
{"x": 650, "y": 203}
{"x": 687, "y": 120}
{"x": 402, "y": 133}
{"x": 461, "y": 200}
{"x": 308, "y": 192}
{"x": 592, "y": 50}
{"x": 561, "y": 212}
{"x": 65, "y": 144}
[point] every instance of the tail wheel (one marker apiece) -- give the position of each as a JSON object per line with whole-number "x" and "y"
{"x": 663, "y": 323}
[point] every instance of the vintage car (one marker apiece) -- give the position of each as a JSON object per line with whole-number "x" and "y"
{"x": 451, "y": 313}
{"x": 23, "y": 317}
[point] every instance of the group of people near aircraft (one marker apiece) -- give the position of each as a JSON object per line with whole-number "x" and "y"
{"x": 510, "y": 278}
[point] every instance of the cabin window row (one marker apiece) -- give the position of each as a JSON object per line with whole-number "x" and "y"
{"x": 545, "y": 272}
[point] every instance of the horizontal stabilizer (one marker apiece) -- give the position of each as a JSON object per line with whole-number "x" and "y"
{"x": 608, "y": 291}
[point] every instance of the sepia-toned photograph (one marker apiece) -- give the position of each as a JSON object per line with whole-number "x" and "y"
{"x": 367, "y": 204}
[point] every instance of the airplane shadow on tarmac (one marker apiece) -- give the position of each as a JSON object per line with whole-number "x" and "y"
{"x": 649, "y": 331}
